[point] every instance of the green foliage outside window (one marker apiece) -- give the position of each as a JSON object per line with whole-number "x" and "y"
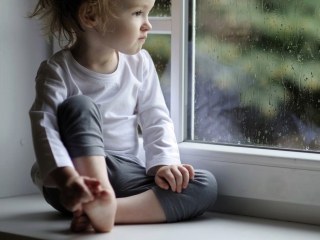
{"x": 275, "y": 43}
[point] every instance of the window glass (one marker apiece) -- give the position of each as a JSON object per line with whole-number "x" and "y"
{"x": 162, "y": 8}
{"x": 257, "y": 73}
{"x": 159, "y": 48}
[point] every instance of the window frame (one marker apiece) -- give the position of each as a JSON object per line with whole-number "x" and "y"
{"x": 271, "y": 183}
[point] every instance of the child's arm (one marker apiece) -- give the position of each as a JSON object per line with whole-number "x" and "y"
{"x": 75, "y": 189}
{"x": 51, "y": 90}
{"x": 175, "y": 177}
{"x": 159, "y": 139}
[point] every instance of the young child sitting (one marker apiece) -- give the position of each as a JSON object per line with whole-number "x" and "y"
{"x": 90, "y": 98}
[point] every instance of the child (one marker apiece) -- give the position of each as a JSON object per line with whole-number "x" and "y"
{"x": 90, "y": 99}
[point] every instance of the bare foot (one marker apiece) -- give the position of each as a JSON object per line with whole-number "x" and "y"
{"x": 101, "y": 211}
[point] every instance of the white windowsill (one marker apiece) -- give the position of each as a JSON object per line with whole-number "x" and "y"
{"x": 261, "y": 182}
{"x": 253, "y": 156}
{"x": 30, "y": 217}
{"x": 161, "y": 25}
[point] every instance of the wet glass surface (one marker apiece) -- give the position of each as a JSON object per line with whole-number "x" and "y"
{"x": 159, "y": 48}
{"x": 257, "y": 74}
{"x": 162, "y": 8}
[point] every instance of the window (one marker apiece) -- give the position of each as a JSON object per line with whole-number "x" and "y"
{"x": 159, "y": 47}
{"x": 276, "y": 181}
{"x": 257, "y": 78}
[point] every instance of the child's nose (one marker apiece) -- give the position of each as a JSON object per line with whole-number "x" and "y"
{"x": 147, "y": 26}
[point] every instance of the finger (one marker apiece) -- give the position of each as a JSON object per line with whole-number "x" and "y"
{"x": 178, "y": 178}
{"x": 91, "y": 181}
{"x": 95, "y": 190}
{"x": 82, "y": 193}
{"x": 76, "y": 193}
{"x": 190, "y": 170}
{"x": 103, "y": 194}
{"x": 185, "y": 175}
{"x": 170, "y": 178}
{"x": 161, "y": 183}
{"x": 93, "y": 184}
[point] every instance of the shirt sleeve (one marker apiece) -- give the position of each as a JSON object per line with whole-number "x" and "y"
{"x": 49, "y": 149}
{"x": 159, "y": 140}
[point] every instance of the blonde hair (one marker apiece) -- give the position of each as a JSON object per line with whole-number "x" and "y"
{"x": 60, "y": 17}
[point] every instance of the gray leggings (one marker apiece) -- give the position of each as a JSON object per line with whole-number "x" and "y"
{"x": 79, "y": 122}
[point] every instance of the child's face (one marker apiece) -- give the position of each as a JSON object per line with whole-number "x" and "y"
{"x": 128, "y": 32}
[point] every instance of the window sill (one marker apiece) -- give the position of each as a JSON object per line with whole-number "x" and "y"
{"x": 30, "y": 217}
{"x": 252, "y": 156}
{"x": 274, "y": 184}
{"x": 255, "y": 182}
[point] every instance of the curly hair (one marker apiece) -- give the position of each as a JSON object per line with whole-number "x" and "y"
{"x": 60, "y": 17}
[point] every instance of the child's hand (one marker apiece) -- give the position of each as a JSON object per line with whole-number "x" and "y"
{"x": 175, "y": 177}
{"x": 78, "y": 190}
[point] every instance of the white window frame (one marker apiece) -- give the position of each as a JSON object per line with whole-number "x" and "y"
{"x": 278, "y": 184}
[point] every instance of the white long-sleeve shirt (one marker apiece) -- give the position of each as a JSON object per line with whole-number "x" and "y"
{"x": 128, "y": 97}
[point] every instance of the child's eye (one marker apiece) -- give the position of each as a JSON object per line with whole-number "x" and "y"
{"x": 138, "y": 13}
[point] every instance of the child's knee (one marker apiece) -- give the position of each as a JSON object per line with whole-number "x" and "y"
{"x": 80, "y": 126}
{"x": 207, "y": 187}
{"x": 78, "y": 111}
{"x": 78, "y": 103}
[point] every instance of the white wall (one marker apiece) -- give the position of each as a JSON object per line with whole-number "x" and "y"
{"x": 22, "y": 48}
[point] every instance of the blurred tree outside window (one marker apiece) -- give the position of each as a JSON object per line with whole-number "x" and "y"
{"x": 257, "y": 73}
{"x": 162, "y": 8}
{"x": 159, "y": 48}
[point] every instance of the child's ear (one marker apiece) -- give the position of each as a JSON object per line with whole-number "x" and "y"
{"x": 88, "y": 14}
